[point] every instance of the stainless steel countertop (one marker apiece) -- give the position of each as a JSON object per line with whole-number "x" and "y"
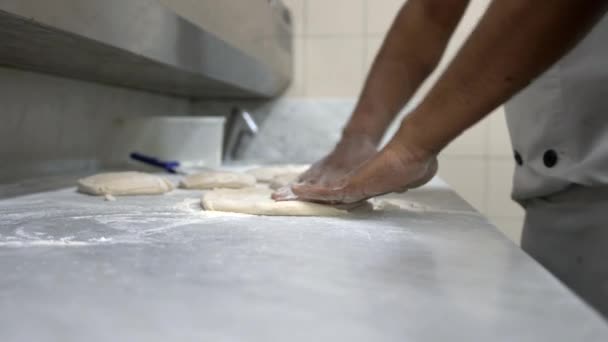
{"x": 77, "y": 268}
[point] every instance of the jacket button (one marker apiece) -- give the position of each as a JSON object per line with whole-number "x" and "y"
{"x": 550, "y": 158}
{"x": 518, "y": 159}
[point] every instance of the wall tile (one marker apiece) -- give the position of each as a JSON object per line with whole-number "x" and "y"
{"x": 467, "y": 177}
{"x": 298, "y": 83}
{"x": 334, "y": 67}
{"x": 335, "y": 17}
{"x": 297, "y": 10}
{"x": 372, "y": 46}
{"x": 472, "y": 143}
{"x": 499, "y": 145}
{"x": 500, "y": 183}
{"x": 380, "y": 15}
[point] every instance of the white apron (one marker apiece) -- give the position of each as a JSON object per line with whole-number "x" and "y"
{"x": 559, "y": 132}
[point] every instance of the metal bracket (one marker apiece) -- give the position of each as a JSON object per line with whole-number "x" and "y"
{"x": 240, "y": 127}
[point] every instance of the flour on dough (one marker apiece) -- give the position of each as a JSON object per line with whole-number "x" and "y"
{"x": 267, "y": 173}
{"x": 124, "y": 184}
{"x": 109, "y": 198}
{"x": 217, "y": 179}
{"x": 283, "y": 180}
{"x": 257, "y": 201}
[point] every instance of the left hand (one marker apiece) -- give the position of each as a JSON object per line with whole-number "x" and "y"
{"x": 396, "y": 168}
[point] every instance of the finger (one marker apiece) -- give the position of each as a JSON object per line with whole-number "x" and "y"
{"x": 374, "y": 178}
{"x": 284, "y": 194}
{"x": 318, "y": 193}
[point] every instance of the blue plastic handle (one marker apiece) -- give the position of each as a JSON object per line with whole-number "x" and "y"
{"x": 168, "y": 166}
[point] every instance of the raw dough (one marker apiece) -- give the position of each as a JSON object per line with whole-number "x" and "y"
{"x": 267, "y": 173}
{"x": 217, "y": 179}
{"x": 124, "y": 184}
{"x": 388, "y": 203}
{"x": 109, "y": 198}
{"x": 257, "y": 201}
{"x": 283, "y": 180}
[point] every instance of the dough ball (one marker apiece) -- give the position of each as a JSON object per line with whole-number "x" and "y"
{"x": 124, "y": 184}
{"x": 283, "y": 180}
{"x": 217, "y": 179}
{"x": 267, "y": 173}
{"x": 257, "y": 201}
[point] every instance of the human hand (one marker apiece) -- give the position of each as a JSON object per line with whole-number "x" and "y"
{"x": 350, "y": 153}
{"x": 396, "y": 168}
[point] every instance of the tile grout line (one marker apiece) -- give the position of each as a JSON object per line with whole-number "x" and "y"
{"x": 487, "y": 169}
{"x": 304, "y": 52}
{"x": 365, "y": 4}
{"x": 340, "y": 35}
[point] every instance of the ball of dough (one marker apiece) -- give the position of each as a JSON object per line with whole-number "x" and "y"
{"x": 217, "y": 179}
{"x": 267, "y": 173}
{"x": 124, "y": 184}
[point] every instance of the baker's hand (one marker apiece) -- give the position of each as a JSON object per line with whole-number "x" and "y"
{"x": 395, "y": 169}
{"x": 350, "y": 153}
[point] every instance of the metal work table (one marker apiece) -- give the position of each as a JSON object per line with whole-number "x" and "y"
{"x": 77, "y": 268}
{"x": 228, "y": 48}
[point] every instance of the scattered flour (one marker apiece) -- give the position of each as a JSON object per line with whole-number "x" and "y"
{"x": 392, "y": 204}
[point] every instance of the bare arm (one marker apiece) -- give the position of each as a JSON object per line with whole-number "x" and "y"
{"x": 411, "y": 51}
{"x": 515, "y": 41}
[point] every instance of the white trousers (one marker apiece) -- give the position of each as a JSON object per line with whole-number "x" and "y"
{"x": 568, "y": 234}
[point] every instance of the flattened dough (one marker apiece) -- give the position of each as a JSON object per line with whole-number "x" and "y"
{"x": 267, "y": 173}
{"x": 283, "y": 180}
{"x": 257, "y": 201}
{"x": 217, "y": 179}
{"x": 124, "y": 184}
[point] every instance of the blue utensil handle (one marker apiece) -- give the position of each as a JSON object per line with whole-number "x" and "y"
{"x": 169, "y": 166}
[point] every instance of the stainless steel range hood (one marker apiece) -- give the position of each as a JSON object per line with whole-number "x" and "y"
{"x": 212, "y": 48}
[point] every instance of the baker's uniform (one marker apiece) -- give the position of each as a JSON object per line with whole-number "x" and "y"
{"x": 559, "y": 131}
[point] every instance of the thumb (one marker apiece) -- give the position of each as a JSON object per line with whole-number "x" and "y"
{"x": 318, "y": 193}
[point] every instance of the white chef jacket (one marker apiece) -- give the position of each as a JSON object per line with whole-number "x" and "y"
{"x": 559, "y": 124}
{"x": 559, "y": 132}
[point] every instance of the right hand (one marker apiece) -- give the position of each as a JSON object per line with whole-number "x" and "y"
{"x": 396, "y": 168}
{"x": 350, "y": 153}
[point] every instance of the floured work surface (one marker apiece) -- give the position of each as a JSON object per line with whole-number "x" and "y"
{"x": 150, "y": 268}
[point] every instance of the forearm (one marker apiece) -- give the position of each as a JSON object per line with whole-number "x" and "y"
{"x": 411, "y": 51}
{"x": 515, "y": 41}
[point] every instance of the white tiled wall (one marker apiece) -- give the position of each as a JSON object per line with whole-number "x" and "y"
{"x": 335, "y": 44}
{"x": 342, "y": 80}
